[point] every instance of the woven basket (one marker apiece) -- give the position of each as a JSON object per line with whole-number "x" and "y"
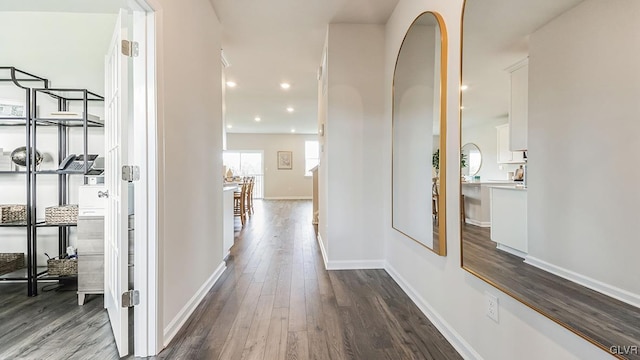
{"x": 62, "y": 267}
{"x": 12, "y": 213}
{"x": 10, "y": 262}
{"x": 65, "y": 214}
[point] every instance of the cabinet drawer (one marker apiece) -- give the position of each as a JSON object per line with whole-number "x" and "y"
{"x": 90, "y": 236}
{"x": 90, "y": 272}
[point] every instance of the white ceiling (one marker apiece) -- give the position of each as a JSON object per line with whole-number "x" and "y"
{"x": 496, "y": 36}
{"x": 269, "y": 42}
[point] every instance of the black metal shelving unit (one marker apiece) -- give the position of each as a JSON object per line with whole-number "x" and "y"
{"x": 31, "y": 122}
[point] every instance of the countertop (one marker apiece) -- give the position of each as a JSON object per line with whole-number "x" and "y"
{"x": 518, "y": 187}
{"x": 491, "y": 182}
{"x": 229, "y": 187}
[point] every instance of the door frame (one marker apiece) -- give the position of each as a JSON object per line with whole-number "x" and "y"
{"x": 146, "y": 95}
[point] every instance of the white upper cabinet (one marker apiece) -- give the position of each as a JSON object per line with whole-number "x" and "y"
{"x": 518, "y": 112}
{"x": 505, "y": 155}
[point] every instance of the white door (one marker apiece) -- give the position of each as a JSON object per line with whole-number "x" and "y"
{"x": 116, "y": 240}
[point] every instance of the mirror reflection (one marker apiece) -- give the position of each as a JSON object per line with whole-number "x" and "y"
{"x": 547, "y": 218}
{"x": 418, "y": 165}
{"x": 470, "y": 160}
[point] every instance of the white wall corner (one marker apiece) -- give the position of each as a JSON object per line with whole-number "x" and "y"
{"x": 456, "y": 340}
{"x": 176, "y": 324}
{"x": 593, "y": 284}
{"x": 323, "y": 251}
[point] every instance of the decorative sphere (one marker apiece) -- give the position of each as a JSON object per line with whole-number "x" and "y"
{"x": 19, "y": 156}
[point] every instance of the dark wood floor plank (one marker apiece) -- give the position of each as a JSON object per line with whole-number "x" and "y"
{"x": 297, "y": 303}
{"x": 276, "y": 348}
{"x": 256, "y": 344}
{"x": 234, "y": 345}
{"x": 297, "y": 346}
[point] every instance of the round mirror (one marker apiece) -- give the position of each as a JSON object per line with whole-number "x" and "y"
{"x": 471, "y": 159}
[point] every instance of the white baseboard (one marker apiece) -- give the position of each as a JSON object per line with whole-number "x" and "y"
{"x": 354, "y": 264}
{"x": 322, "y": 250}
{"x": 347, "y": 264}
{"x": 176, "y": 324}
{"x": 288, "y": 198}
{"x": 609, "y": 290}
{"x": 456, "y": 340}
{"x": 483, "y": 224}
{"x": 511, "y": 250}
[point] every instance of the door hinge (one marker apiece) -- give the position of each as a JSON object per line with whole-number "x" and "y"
{"x": 130, "y": 48}
{"x": 130, "y": 298}
{"x": 130, "y": 173}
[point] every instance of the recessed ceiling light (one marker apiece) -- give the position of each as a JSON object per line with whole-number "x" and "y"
{"x": 285, "y": 85}
{"x": 290, "y": 109}
{"x": 229, "y": 126}
{"x": 293, "y": 130}
{"x": 231, "y": 84}
{"x": 464, "y": 87}
{"x": 257, "y": 118}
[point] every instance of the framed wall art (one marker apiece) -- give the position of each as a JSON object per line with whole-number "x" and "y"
{"x": 285, "y": 160}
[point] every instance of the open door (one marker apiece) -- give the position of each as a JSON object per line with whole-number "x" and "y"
{"x": 116, "y": 239}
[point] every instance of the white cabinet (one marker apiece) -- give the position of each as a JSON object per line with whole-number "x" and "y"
{"x": 509, "y": 219}
{"x": 505, "y": 155}
{"x": 519, "y": 106}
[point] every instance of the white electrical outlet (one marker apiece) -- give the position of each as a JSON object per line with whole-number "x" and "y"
{"x": 492, "y": 306}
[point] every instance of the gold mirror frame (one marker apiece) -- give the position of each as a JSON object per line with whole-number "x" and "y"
{"x": 612, "y": 350}
{"x": 440, "y": 247}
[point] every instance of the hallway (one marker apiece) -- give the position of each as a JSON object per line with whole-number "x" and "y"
{"x": 276, "y": 301}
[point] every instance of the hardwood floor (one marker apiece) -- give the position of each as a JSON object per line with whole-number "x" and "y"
{"x": 604, "y": 320}
{"x": 276, "y": 301}
{"x": 52, "y": 325}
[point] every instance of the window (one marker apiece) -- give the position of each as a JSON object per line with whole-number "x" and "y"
{"x": 311, "y": 156}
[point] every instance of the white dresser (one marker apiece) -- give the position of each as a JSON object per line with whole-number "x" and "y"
{"x": 90, "y": 242}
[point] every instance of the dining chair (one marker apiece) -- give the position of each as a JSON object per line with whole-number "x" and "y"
{"x": 240, "y": 203}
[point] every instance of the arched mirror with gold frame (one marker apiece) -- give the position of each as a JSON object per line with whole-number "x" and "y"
{"x": 549, "y": 93}
{"x": 419, "y": 134}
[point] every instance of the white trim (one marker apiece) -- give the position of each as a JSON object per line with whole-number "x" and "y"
{"x": 354, "y": 264}
{"x": 288, "y": 198}
{"x": 483, "y": 224}
{"x": 176, "y": 324}
{"x": 511, "y": 250}
{"x": 147, "y": 328}
{"x": 456, "y": 340}
{"x": 593, "y": 284}
{"x": 348, "y": 264}
{"x": 323, "y": 250}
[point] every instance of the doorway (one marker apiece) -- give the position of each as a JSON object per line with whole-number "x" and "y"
{"x": 63, "y": 70}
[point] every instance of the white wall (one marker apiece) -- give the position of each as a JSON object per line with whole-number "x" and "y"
{"x": 69, "y": 50}
{"x": 278, "y": 184}
{"x": 354, "y": 122}
{"x": 438, "y": 284}
{"x": 586, "y": 130}
{"x": 190, "y": 165}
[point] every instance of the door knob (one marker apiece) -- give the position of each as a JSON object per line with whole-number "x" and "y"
{"x": 103, "y": 194}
